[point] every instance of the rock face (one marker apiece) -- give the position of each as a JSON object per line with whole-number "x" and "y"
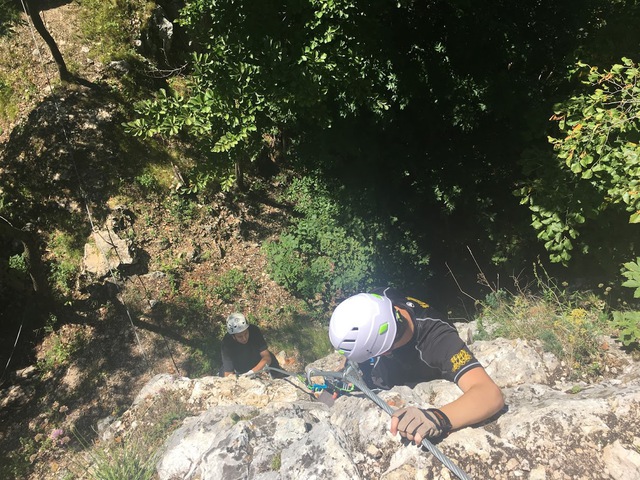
{"x": 272, "y": 429}
{"x": 105, "y": 252}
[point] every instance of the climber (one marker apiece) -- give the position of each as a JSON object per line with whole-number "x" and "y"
{"x": 244, "y": 349}
{"x": 398, "y": 340}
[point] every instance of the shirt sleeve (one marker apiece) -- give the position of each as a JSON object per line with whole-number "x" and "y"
{"x": 227, "y": 362}
{"x": 441, "y": 347}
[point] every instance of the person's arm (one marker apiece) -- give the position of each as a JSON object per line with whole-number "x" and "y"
{"x": 258, "y": 341}
{"x": 481, "y": 398}
{"x": 265, "y": 359}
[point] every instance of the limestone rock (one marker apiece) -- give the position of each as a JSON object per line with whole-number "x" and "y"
{"x": 105, "y": 252}
{"x": 258, "y": 428}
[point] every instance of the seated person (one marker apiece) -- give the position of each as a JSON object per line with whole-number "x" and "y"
{"x": 397, "y": 340}
{"x": 244, "y": 349}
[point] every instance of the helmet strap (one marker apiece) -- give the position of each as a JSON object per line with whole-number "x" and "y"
{"x": 401, "y": 324}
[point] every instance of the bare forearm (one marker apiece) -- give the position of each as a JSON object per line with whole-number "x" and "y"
{"x": 478, "y": 403}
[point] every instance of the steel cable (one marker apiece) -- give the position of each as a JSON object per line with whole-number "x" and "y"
{"x": 351, "y": 375}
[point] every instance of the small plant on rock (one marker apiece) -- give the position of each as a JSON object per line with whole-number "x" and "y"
{"x": 568, "y": 324}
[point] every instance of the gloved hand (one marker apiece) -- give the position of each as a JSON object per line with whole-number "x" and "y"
{"x": 415, "y": 423}
{"x": 247, "y": 374}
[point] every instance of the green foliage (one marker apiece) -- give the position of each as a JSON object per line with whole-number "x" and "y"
{"x": 46, "y": 438}
{"x": 297, "y": 333}
{"x": 204, "y": 360}
{"x": 147, "y": 181}
{"x": 276, "y": 461}
{"x": 551, "y": 342}
{"x": 597, "y": 155}
{"x": 134, "y": 455}
{"x": 8, "y": 106}
{"x": 339, "y": 245}
{"x": 123, "y": 461}
{"x": 59, "y": 348}
{"x": 627, "y": 325}
{"x": 632, "y": 273}
{"x": 18, "y": 262}
{"x": 114, "y": 25}
{"x": 259, "y": 68}
{"x": 182, "y": 208}
{"x": 327, "y": 252}
{"x": 167, "y": 418}
{"x": 232, "y": 284}
{"x": 9, "y": 16}
{"x": 17, "y": 463}
{"x": 66, "y": 252}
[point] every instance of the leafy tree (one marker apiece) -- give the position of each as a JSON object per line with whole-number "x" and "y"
{"x": 424, "y": 105}
{"x": 333, "y": 249}
{"x": 597, "y": 172}
{"x": 261, "y": 69}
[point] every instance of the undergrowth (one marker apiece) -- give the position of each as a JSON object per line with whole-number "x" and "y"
{"x": 113, "y": 26}
{"x": 569, "y": 324}
{"x": 133, "y": 454}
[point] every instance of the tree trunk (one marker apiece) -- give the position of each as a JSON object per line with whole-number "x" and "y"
{"x": 33, "y": 9}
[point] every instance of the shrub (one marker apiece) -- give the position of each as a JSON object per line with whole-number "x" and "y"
{"x": 632, "y": 273}
{"x": 66, "y": 257}
{"x": 627, "y": 323}
{"x": 232, "y": 284}
{"x": 593, "y": 178}
{"x": 18, "y": 262}
{"x": 327, "y": 252}
{"x": 568, "y": 324}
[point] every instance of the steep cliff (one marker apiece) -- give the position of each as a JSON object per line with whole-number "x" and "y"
{"x": 258, "y": 428}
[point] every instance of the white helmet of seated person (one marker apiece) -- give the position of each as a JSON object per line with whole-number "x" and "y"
{"x": 236, "y": 323}
{"x": 363, "y": 326}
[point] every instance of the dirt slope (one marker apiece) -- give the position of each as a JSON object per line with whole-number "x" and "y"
{"x": 198, "y": 259}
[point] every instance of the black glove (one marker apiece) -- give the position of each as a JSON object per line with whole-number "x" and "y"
{"x": 428, "y": 423}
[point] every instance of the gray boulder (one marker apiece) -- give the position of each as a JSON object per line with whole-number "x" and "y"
{"x": 258, "y": 428}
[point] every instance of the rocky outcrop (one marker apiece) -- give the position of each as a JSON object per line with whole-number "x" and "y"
{"x": 106, "y": 251}
{"x": 258, "y": 428}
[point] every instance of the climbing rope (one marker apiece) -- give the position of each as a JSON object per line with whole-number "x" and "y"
{"x": 351, "y": 375}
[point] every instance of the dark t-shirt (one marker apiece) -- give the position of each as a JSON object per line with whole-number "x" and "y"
{"x": 240, "y": 358}
{"x": 435, "y": 350}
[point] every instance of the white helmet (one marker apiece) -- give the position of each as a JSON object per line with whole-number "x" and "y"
{"x": 236, "y": 323}
{"x": 363, "y": 326}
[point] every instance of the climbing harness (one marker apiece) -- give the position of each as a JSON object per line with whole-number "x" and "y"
{"x": 333, "y": 387}
{"x": 351, "y": 377}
